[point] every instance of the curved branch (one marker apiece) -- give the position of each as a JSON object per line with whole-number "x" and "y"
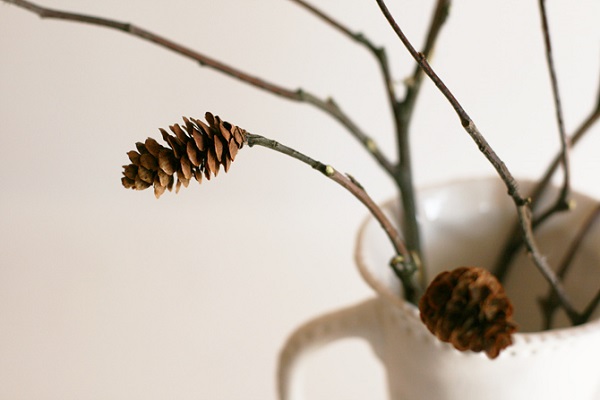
{"x": 348, "y": 183}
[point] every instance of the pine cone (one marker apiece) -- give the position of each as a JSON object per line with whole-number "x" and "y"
{"x": 468, "y": 308}
{"x": 194, "y": 151}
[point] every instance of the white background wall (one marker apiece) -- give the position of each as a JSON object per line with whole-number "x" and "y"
{"x": 111, "y": 294}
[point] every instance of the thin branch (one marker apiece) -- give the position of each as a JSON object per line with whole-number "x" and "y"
{"x": 550, "y": 303}
{"x": 377, "y": 51}
{"x": 574, "y": 139}
{"x": 514, "y": 242}
{"x": 381, "y": 57}
{"x": 334, "y": 23}
{"x": 440, "y": 15}
{"x": 327, "y": 106}
{"x": 541, "y": 263}
{"x": 331, "y": 108}
{"x": 585, "y": 126}
{"x": 358, "y": 191}
{"x": 403, "y": 113}
{"x": 355, "y": 36}
{"x": 523, "y": 211}
{"x": 465, "y": 120}
{"x": 591, "y": 307}
{"x": 562, "y": 203}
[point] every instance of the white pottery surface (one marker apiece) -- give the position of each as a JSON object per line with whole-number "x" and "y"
{"x": 464, "y": 223}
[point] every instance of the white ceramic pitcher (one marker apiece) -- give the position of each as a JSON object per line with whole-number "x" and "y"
{"x": 465, "y": 223}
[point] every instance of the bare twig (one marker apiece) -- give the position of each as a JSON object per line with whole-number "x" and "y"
{"x": 574, "y": 139}
{"x": 562, "y": 202}
{"x": 524, "y": 214}
{"x": 591, "y": 307}
{"x": 523, "y": 210}
{"x": 327, "y": 106}
{"x": 465, "y": 120}
{"x": 331, "y": 107}
{"x": 358, "y": 191}
{"x": 334, "y": 23}
{"x": 585, "y": 126}
{"x": 514, "y": 239}
{"x": 550, "y": 303}
{"x": 440, "y": 16}
{"x": 378, "y": 52}
{"x": 403, "y": 113}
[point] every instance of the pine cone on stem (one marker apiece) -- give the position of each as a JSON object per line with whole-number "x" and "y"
{"x": 194, "y": 151}
{"x": 468, "y": 308}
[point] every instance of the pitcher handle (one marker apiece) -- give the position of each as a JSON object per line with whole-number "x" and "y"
{"x": 360, "y": 320}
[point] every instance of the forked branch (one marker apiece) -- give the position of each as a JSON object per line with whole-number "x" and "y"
{"x": 550, "y": 302}
{"x": 465, "y": 120}
{"x": 514, "y": 240}
{"x": 377, "y": 51}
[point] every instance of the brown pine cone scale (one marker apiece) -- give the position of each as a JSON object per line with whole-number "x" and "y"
{"x": 468, "y": 308}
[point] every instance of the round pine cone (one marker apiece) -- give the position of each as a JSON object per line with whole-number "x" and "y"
{"x": 194, "y": 150}
{"x": 468, "y": 308}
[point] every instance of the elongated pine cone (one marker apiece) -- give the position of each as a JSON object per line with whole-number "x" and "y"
{"x": 194, "y": 150}
{"x": 468, "y": 308}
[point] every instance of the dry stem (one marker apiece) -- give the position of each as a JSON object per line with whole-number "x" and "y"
{"x": 378, "y": 52}
{"x": 550, "y": 303}
{"x": 403, "y": 113}
{"x": 562, "y": 202}
{"x": 514, "y": 240}
{"x": 410, "y": 289}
